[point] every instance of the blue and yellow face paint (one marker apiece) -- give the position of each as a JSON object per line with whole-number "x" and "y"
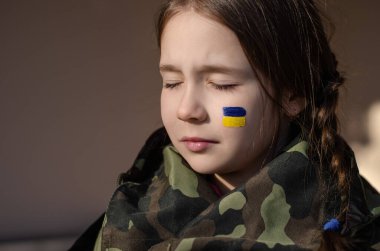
{"x": 234, "y": 116}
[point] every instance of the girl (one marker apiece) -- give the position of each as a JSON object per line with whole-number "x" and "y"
{"x": 249, "y": 157}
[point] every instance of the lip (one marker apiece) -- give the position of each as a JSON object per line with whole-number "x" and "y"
{"x": 196, "y": 144}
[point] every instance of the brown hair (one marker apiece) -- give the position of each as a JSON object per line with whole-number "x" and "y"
{"x": 285, "y": 41}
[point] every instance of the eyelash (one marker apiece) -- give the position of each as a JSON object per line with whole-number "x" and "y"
{"x": 171, "y": 85}
{"x": 227, "y": 87}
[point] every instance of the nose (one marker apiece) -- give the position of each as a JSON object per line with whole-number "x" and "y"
{"x": 191, "y": 107}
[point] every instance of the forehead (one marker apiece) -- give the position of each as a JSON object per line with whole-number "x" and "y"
{"x": 192, "y": 39}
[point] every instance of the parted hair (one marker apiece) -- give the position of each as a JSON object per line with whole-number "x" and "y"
{"x": 286, "y": 44}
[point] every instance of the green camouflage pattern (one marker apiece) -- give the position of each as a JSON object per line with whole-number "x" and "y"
{"x": 162, "y": 204}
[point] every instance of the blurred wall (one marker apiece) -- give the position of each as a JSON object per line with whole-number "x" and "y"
{"x": 79, "y": 93}
{"x": 356, "y": 43}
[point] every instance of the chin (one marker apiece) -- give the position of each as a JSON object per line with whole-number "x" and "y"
{"x": 203, "y": 170}
{"x": 200, "y": 167}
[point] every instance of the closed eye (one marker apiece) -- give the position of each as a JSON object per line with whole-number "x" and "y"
{"x": 224, "y": 87}
{"x": 171, "y": 85}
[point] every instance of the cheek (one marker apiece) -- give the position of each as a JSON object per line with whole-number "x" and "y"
{"x": 254, "y": 113}
{"x": 166, "y": 110}
{"x": 169, "y": 107}
{"x": 255, "y": 126}
{"x": 234, "y": 116}
{"x": 265, "y": 122}
{"x": 242, "y": 137}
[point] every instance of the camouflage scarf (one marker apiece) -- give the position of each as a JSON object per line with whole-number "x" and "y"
{"x": 162, "y": 204}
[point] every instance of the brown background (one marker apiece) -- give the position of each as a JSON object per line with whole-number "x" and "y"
{"x": 79, "y": 93}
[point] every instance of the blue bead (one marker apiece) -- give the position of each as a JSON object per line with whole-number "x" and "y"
{"x": 332, "y": 225}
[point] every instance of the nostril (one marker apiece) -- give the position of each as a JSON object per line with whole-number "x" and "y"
{"x": 191, "y": 111}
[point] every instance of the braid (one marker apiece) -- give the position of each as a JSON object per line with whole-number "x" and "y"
{"x": 330, "y": 150}
{"x": 320, "y": 125}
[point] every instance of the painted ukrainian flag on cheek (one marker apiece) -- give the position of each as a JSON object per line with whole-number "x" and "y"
{"x": 234, "y": 116}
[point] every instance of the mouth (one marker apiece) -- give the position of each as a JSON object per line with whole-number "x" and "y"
{"x": 195, "y": 144}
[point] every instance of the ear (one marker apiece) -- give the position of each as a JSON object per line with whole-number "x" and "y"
{"x": 292, "y": 104}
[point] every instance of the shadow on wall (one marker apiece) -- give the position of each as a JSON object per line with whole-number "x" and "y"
{"x": 368, "y": 154}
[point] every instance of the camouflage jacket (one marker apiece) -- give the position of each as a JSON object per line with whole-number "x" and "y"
{"x": 161, "y": 204}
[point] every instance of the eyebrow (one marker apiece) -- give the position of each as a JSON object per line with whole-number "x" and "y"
{"x": 204, "y": 69}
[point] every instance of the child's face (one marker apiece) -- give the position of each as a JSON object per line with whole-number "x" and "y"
{"x": 196, "y": 90}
